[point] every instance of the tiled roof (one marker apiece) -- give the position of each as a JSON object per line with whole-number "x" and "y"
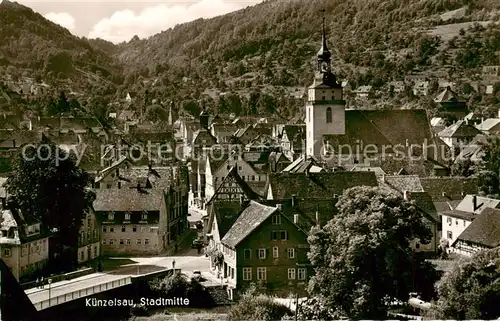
{"x": 459, "y": 129}
{"x": 310, "y": 210}
{"x": 401, "y": 183}
{"x": 467, "y": 204}
{"x": 453, "y": 188}
{"x": 484, "y": 230}
{"x": 317, "y": 185}
{"x": 383, "y": 127}
{"x": 128, "y": 199}
{"x": 79, "y": 123}
{"x": 303, "y": 165}
{"x": 424, "y": 202}
{"x": 360, "y": 168}
{"x": 233, "y": 174}
{"x": 251, "y": 218}
{"x": 19, "y": 138}
{"x": 488, "y": 124}
{"x": 225, "y": 213}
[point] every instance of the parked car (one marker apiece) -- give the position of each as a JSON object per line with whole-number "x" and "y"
{"x": 197, "y": 244}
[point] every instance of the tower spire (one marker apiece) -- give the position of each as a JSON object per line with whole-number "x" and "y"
{"x": 323, "y": 39}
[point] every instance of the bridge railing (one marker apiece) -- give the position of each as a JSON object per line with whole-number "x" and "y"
{"x": 77, "y": 294}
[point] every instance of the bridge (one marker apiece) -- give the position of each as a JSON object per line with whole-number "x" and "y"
{"x": 67, "y": 291}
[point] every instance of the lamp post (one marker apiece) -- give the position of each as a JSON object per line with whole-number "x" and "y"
{"x": 50, "y": 281}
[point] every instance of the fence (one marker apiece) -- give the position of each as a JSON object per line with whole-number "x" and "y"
{"x": 61, "y": 277}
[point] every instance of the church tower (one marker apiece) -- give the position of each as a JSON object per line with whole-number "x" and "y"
{"x": 325, "y": 109}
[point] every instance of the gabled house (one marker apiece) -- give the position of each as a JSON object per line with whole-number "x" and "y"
{"x": 24, "y": 243}
{"x": 421, "y": 88}
{"x": 450, "y": 104}
{"x": 304, "y": 164}
{"x": 293, "y": 141}
{"x": 456, "y": 221}
{"x": 448, "y": 192}
{"x": 483, "y": 233}
{"x": 458, "y": 134}
{"x": 223, "y": 131}
{"x": 265, "y": 247}
{"x": 247, "y": 134}
{"x": 224, "y": 205}
{"x": 134, "y": 221}
{"x": 252, "y": 167}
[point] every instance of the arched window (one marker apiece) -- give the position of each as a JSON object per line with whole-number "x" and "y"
{"x": 329, "y": 115}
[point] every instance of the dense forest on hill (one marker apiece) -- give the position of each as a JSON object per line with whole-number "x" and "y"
{"x": 260, "y": 55}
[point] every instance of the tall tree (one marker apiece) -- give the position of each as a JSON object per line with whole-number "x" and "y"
{"x": 363, "y": 255}
{"x": 47, "y": 184}
{"x": 471, "y": 290}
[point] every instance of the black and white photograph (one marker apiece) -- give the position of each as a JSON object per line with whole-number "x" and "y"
{"x": 249, "y": 160}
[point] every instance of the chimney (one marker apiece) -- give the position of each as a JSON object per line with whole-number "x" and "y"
{"x": 294, "y": 200}
{"x": 474, "y": 202}
{"x": 317, "y": 218}
{"x": 466, "y": 121}
{"x": 406, "y": 195}
{"x": 296, "y": 218}
{"x": 383, "y": 178}
{"x": 242, "y": 200}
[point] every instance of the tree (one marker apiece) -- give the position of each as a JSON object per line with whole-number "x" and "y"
{"x": 253, "y": 306}
{"x": 463, "y": 167}
{"x": 363, "y": 255}
{"x": 489, "y": 177}
{"x": 47, "y": 185}
{"x": 471, "y": 290}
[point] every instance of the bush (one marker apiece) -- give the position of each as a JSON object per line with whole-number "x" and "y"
{"x": 253, "y": 306}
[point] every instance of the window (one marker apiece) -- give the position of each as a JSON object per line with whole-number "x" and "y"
{"x": 111, "y": 229}
{"x": 275, "y": 252}
{"x": 134, "y": 228}
{"x": 127, "y": 216}
{"x": 302, "y": 273}
{"x": 6, "y": 252}
{"x": 247, "y": 274}
{"x": 146, "y": 241}
{"x": 138, "y": 241}
{"x": 448, "y": 220}
{"x": 104, "y": 242}
{"x": 309, "y": 114}
{"x": 279, "y": 235}
{"x": 104, "y": 229}
{"x": 464, "y": 223}
{"x": 417, "y": 246}
{"x": 450, "y": 235}
{"x": 456, "y": 222}
{"x": 253, "y": 177}
{"x": 111, "y": 217}
{"x": 121, "y": 241}
{"x": 329, "y": 115}
{"x": 124, "y": 228}
{"x": 291, "y": 274}
{"x": 247, "y": 254}
{"x": 276, "y": 219}
{"x": 291, "y": 253}
{"x": 283, "y": 235}
{"x": 111, "y": 242}
{"x": 144, "y": 216}
{"x": 151, "y": 230}
{"x": 128, "y": 241}
{"x": 108, "y": 186}
{"x": 261, "y": 273}
{"x": 262, "y": 254}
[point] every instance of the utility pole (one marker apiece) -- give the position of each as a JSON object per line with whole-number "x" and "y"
{"x": 296, "y": 305}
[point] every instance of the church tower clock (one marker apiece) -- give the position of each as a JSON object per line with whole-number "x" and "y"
{"x": 325, "y": 109}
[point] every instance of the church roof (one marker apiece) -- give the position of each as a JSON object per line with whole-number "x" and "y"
{"x": 383, "y": 127}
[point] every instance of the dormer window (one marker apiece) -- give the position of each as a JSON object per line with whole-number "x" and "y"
{"x": 144, "y": 216}
{"x": 329, "y": 115}
{"x": 111, "y": 217}
{"x": 127, "y": 216}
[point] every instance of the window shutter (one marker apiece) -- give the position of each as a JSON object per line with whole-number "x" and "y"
{"x": 267, "y": 253}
